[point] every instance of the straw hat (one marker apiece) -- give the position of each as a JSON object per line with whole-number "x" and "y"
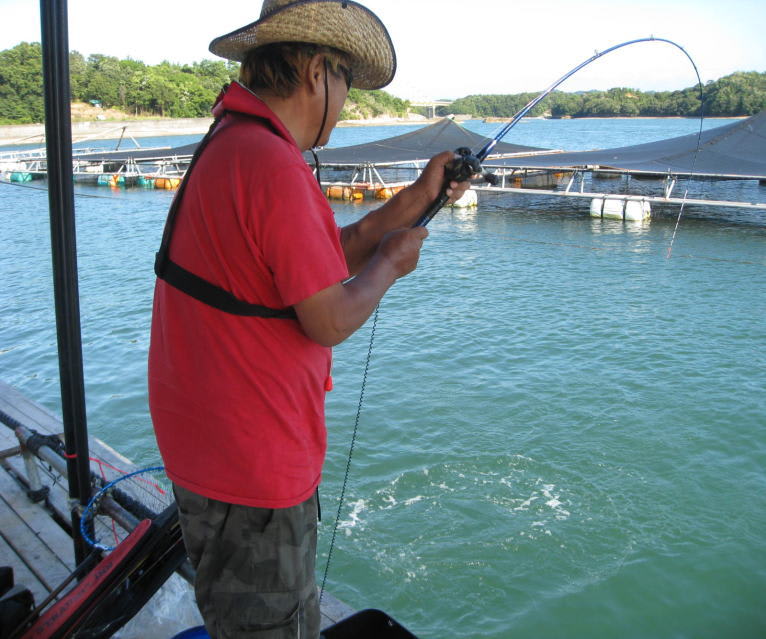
{"x": 347, "y": 26}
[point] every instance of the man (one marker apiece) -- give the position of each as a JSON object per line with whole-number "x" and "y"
{"x": 254, "y": 288}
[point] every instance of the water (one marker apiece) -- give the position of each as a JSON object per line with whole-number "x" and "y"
{"x": 562, "y": 432}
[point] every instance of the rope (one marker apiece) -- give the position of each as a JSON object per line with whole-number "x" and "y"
{"x": 313, "y": 149}
{"x": 350, "y": 451}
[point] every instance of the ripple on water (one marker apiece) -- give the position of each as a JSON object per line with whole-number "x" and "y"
{"x": 543, "y": 517}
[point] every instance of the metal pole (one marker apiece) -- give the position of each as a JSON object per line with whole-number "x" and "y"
{"x": 58, "y": 131}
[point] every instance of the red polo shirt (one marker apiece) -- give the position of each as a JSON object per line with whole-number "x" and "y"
{"x": 238, "y": 402}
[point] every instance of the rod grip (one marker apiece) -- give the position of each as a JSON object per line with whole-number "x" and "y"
{"x": 433, "y": 209}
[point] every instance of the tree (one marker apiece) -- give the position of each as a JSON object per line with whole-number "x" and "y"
{"x": 104, "y": 81}
{"x": 21, "y": 84}
{"x": 600, "y": 105}
{"x": 78, "y": 69}
{"x": 189, "y": 90}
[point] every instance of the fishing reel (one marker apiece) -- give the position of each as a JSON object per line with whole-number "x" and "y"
{"x": 460, "y": 169}
{"x": 467, "y": 165}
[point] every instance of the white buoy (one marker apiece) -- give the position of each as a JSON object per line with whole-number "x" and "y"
{"x": 468, "y": 199}
{"x": 620, "y": 208}
{"x": 637, "y": 210}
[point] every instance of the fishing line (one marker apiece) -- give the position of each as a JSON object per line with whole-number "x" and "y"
{"x": 351, "y": 450}
{"x": 45, "y": 190}
{"x": 467, "y": 164}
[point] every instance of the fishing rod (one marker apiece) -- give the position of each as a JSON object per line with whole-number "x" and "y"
{"x": 467, "y": 164}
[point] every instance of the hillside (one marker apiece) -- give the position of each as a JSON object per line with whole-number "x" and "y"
{"x": 129, "y": 89}
{"x": 82, "y": 112}
{"x": 737, "y": 94}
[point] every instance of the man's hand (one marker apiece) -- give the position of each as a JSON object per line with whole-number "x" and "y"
{"x": 331, "y": 315}
{"x": 432, "y": 180}
{"x": 402, "y": 249}
{"x": 361, "y": 239}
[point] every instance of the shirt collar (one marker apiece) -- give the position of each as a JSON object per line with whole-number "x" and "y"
{"x": 238, "y": 98}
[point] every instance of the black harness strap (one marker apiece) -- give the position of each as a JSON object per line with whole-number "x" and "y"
{"x": 194, "y": 285}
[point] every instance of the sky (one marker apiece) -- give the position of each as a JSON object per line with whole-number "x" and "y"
{"x": 447, "y": 48}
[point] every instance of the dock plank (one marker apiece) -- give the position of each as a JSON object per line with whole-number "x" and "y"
{"x": 21, "y": 573}
{"x": 29, "y": 413}
{"x": 39, "y": 526}
{"x": 28, "y": 550}
{"x": 58, "y": 494}
{"x": 333, "y": 610}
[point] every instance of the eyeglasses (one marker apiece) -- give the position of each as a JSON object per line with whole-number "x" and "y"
{"x": 348, "y": 75}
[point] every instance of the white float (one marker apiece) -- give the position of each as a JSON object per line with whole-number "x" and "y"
{"x": 620, "y": 208}
{"x": 468, "y": 200}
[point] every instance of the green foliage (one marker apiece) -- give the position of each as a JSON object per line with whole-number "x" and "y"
{"x": 187, "y": 91}
{"x": 369, "y": 104}
{"x": 738, "y": 94}
{"x": 21, "y": 84}
{"x": 172, "y": 90}
{"x": 165, "y": 90}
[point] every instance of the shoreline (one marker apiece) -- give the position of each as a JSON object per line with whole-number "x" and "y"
{"x": 22, "y": 134}
{"x": 18, "y": 134}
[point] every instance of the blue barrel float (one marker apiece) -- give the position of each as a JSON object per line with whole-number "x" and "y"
{"x": 113, "y": 180}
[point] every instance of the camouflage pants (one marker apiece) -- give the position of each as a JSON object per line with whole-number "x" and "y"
{"x": 255, "y": 567}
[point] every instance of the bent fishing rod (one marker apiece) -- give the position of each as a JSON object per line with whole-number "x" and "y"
{"x": 467, "y": 164}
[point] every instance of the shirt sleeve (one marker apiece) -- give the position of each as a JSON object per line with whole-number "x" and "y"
{"x": 298, "y": 236}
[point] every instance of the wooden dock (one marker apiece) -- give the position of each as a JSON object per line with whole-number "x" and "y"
{"x": 33, "y": 543}
{"x": 34, "y": 537}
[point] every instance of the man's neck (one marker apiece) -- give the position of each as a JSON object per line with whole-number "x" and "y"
{"x": 298, "y": 114}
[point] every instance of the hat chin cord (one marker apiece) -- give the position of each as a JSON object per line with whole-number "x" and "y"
{"x": 321, "y": 126}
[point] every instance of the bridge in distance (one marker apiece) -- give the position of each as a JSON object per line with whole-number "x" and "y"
{"x": 431, "y": 105}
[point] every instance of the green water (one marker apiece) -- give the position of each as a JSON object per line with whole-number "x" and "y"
{"x": 563, "y": 433}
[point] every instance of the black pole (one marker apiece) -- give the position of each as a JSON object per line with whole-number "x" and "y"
{"x": 58, "y": 134}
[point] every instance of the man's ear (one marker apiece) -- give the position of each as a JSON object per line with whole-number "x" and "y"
{"x": 313, "y": 74}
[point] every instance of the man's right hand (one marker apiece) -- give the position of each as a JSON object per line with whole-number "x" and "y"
{"x": 401, "y": 248}
{"x": 331, "y": 315}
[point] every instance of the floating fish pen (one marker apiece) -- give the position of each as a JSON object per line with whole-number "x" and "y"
{"x": 644, "y": 173}
{"x": 23, "y": 166}
{"x": 155, "y": 171}
{"x": 21, "y": 169}
{"x": 366, "y": 183}
{"x": 377, "y": 170}
{"x": 625, "y": 182}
